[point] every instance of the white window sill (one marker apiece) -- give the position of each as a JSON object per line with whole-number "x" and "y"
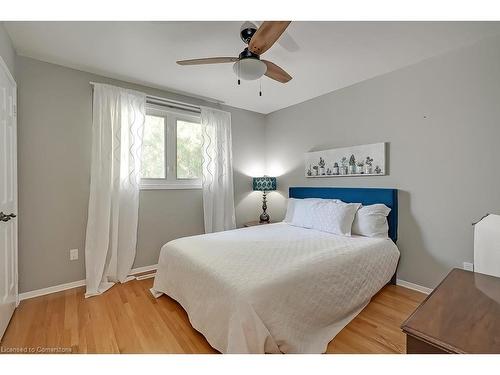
{"x": 169, "y": 186}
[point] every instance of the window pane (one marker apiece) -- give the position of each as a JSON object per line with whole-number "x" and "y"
{"x": 153, "y": 148}
{"x": 188, "y": 150}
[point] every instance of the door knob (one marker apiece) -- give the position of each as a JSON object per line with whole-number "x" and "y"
{"x": 6, "y": 218}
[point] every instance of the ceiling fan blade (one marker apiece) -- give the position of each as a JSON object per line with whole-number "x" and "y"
{"x": 208, "y": 60}
{"x": 266, "y": 35}
{"x": 276, "y": 73}
{"x": 286, "y": 40}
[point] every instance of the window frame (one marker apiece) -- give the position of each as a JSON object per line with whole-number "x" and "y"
{"x": 170, "y": 182}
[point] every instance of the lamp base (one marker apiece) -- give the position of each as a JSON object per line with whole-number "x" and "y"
{"x": 264, "y": 217}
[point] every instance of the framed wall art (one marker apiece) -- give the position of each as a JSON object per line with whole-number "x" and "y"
{"x": 364, "y": 160}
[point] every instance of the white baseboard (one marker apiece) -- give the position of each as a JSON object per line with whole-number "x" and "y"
{"x": 418, "y": 288}
{"x": 75, "y": 284}
{"x": 150, "y": 268}
{"x": 51, "y": 289}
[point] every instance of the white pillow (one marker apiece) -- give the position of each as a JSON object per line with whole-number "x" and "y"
{"x": 303, "y": 217}
{"x": 371, "y": 221}
{"x": 334, "y": 217}
{"x": 302, "y": 212}
{"x": 290, "y": 208}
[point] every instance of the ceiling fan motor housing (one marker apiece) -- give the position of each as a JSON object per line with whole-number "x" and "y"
{"x": 246, "y": 53}
{"x": 246, "y": 32}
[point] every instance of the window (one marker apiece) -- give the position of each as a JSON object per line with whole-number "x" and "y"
{"x": 171, "y": 153}
{"x": 188, "y": 150}
{"x": 153, "y": 148}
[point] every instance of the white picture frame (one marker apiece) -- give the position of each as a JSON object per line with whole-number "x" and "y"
{"x": 369, "y": 160}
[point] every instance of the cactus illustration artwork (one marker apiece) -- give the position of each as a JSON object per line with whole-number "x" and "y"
{"x": 361, "y": 160}
{"x": 321, "y": 165}
{"x": 335, "y": 168}
{"x": 368, "y": 165}
{"x": 360, "y": 167}
{"x": 343, "y": 162}
{"x": 352, "y": 164}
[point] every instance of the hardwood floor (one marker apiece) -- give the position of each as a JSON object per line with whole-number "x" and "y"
{"x": 127, "y": 319}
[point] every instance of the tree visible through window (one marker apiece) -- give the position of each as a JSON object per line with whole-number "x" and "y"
{"x": 188, "y": 150}
{"x": 171, "y": 151}
{"x": 153, "y": 148}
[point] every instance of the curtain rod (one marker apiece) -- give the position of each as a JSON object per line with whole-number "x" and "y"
{"x": 168, "y": 102}
{"x": 172, "y": 104}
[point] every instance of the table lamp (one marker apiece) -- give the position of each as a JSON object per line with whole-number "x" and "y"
{"x": 264, "y": 184}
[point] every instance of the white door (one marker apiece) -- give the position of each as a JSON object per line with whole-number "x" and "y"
{"x": 8, "y": 197}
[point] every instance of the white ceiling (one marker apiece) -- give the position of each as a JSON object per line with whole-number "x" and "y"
{"x": 321, "y": 56}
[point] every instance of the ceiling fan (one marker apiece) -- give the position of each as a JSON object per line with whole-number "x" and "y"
{"x": 248, "y": 65}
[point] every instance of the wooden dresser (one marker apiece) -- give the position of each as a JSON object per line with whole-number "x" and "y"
{"x": 462, "y": 315}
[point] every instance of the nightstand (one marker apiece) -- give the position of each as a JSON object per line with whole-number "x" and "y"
{"x": 256, "y": 222}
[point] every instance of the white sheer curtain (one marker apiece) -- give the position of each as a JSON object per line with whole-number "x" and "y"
{"x": 117, "y": 132}
{"x": 217, "y": 179}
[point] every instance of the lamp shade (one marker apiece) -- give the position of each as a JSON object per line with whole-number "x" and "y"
{"x": 264, "y": 183}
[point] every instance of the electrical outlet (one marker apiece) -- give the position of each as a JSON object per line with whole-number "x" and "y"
{"x": 469, "y": 266}
{"x": 73, "y": 254}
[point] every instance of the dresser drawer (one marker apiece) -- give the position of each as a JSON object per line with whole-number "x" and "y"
{"x": 415, "y": 345}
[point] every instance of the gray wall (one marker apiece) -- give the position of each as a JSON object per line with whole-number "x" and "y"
{"x": 441, "y": 119}
{"x": 6, "y": 50}
{"x": 54, "y": 143}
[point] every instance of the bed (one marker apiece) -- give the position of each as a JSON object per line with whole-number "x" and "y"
{"x": 277, "y": 288}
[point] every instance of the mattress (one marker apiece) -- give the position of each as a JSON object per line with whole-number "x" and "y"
{"x": 273, "y": 288}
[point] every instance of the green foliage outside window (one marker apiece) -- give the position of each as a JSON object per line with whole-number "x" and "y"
{"x": 189, "y": 140}
{"x": 153, "y": 148}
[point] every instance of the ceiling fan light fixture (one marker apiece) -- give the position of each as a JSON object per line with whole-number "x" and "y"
{"x": 248, "y": 65}
{"x": 249, "y": 69}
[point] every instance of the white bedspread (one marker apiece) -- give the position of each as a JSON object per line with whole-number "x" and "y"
{"x": 273, "y": 288}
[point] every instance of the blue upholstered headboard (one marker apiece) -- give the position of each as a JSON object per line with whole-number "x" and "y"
{"x": 365, "y": 196}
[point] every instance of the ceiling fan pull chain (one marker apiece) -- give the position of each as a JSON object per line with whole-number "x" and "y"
{"x": 239, "y": 82}
{"x": 260, "y": 87}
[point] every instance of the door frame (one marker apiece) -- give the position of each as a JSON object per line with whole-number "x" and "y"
{"x": 4, "y": 66}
